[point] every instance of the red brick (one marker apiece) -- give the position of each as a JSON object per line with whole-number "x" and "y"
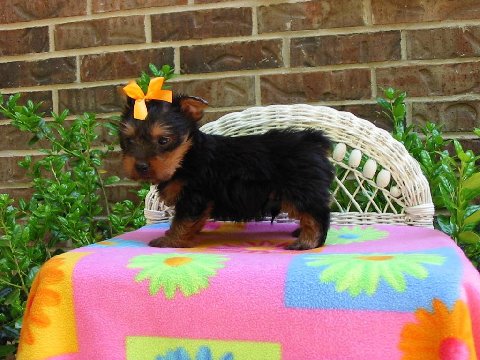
{"x": 42, "y": 72}
{"x": 202, "y": 24}
{"x": 453, "y": 116}
{"x": 122, "y": 64}
{"x": 443, "y": 43}
{"x": 23, "y": 41}
{"x": 310, "y": 15}
{"x": 10, "y": 172}
{"x": 29, "y": 10}
{"x": 316, "y": 86}
{"x": 237, "y": 91}
{"x": 262, "y": 54}
{"x": 425, "y": 80}
{"x": 345, "y": 49}
{"x": 112, "y": 31}
{"x": 14, "y": 139}
{"x": 115, "y": 5}
{"x": 408, "y": 11}
{"x": 17, "y": 193}
{"x": 103, "y": 99}
{"x": 45, "y": 97}
{"x": 370, "y": 112}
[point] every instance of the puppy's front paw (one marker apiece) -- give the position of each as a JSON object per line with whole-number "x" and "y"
{"x": 167, "y": 242}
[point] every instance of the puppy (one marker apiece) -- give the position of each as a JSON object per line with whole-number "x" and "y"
{"x": 227, "y": 178}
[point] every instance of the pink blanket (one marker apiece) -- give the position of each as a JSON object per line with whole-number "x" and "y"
{"x": 374, "y": 292}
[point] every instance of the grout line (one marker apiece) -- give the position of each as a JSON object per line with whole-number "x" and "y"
{"x": 403, "y": 44}
{"x": 176, "y": 60}
{"x": 367, "y": 12}
{"x": 373, "y": 82}
{"x": 399, "y": 64}
{"x": 258, "y": 90}
{"x": 209, "y": 41}
{"x": 51, "y": 38}
{"x": 89, "y": 7}
{"x": 226, "y": 5}
{"x": 254, "y": 20}
{"x": 55, "y": 101}
{"x": 148, "y": 29}
{"x": 286, "y": 52}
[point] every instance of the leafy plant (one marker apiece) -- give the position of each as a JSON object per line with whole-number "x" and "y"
{"x": 69, "y": 206}
{"x": 453, "y": 175}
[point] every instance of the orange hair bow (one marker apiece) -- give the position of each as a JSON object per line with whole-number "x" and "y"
{"x": 154, "y": 92}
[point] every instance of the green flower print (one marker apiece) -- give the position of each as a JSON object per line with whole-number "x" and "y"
{"x": 186, "y": 272}
{"x": 351, "y": 234}
{"x": 357, "y": 273}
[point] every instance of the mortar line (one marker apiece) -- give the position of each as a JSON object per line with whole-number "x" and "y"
{"x": 403, "y": 45}
{"x": 89, "y": 7}
{"x": 258, "y": 90}
{"x": 239, "y": 73}
{"x": 177, "y": 60}
{"x": 51, "y": 38}
{"x": 254, "y": 20}
{"x": 199, "y": 42}
{"x": 55, "y": 101}
{"x": 148, "y": 29}
{"x": 373, "y": 82}
{"x": 286, "y": 52}
{"x": 77, "y": 69}
{"x": 367, "y": 12}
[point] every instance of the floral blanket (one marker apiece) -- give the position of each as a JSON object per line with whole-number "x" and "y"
{"x": 374, "y": 292}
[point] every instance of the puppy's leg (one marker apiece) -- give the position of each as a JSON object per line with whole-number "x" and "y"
{"x": 182, "y": 231}
{"x": 313, "y": 228}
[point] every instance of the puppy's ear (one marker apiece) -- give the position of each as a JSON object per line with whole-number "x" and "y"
{"x": 192, "y": 106}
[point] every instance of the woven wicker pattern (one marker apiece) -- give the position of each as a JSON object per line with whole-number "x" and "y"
{"x": 377, "y": 181}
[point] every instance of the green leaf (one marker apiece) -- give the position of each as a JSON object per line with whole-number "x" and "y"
{"x": 7, "y": 350}
{"x": 469, "y": 237}
{"x": 473, "y": 215}
{"x": 473, "y": 182}
{"x": 389, "y": 93}
{"x": 384, "y": 104}
{"x": 399, "y": 111}
{"x": 444, "y": 224}
{"x": 112, "y": 180}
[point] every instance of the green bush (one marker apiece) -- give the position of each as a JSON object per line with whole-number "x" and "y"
{"x": 452, "y": 172}
{"x": 69, "y": 207}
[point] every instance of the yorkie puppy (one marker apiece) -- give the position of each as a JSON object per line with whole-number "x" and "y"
{"x": 227, "y": 178}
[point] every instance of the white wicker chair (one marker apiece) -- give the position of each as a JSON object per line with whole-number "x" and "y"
{"x": 377, "y": 181}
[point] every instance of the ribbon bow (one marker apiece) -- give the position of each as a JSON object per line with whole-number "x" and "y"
{"x": 154, "y": 92}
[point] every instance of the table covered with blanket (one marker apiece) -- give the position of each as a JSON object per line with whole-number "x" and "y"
{"x": 373, "y": 292}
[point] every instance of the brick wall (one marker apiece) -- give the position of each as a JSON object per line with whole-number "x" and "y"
{"x": 236, "y": 54}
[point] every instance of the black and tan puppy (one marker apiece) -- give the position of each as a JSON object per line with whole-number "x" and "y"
{"x": 227, "y": 178}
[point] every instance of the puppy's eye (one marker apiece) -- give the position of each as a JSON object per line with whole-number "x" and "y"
{"x": 129, "y": 141}
{"x": 163, "y": 140}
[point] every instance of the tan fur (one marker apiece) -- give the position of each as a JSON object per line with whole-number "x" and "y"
{"x": 158, "y": 130}
{"x": 181, "y": 232}
{"x": 129, "y": 166}
{"x": 171, "y": 192}
{"x": 193, "y": 107}
{"x": 164, "y": 165}
{"x": 310, "y": 230}
{"x": 128, "y": 129}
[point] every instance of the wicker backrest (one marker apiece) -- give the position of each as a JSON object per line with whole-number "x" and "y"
{"x": 377, "y": 181}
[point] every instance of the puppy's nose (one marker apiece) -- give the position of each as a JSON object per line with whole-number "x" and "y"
{"x": 141, "y": 167}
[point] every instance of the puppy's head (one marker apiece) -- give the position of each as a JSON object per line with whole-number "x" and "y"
{"x": 153, "y": 149}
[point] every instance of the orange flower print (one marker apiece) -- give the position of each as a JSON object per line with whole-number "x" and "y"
{"x": 41, "y": 297}
{"x": 442, "y": 334}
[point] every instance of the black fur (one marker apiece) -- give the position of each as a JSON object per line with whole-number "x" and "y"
{"x": 241, "y": 178}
